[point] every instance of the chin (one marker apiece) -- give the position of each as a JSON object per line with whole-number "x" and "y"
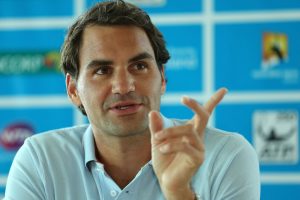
{"x": 131, "y": 130}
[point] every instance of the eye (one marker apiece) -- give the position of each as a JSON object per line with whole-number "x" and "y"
{"x": 102, "y": 70}
{"x": 140, "y": 66}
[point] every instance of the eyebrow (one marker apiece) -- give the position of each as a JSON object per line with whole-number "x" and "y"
{"x": 95, "y": 63}
{"x": 141, "y": 56}
{"x": 99, "y": 62}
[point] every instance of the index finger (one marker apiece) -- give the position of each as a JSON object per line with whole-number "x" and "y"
{"x": 215, "y": 99}
{"x": 202, "y": 113}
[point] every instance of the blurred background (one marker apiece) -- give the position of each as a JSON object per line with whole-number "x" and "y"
{"x": 251, "y": 47}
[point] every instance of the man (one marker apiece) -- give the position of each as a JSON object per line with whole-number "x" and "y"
{"x": 113, "y": 59}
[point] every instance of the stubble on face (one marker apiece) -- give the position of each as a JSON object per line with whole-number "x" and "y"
{"x": 129, "y": 125}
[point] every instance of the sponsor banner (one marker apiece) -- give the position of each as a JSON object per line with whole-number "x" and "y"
{"x": 38, "y": 40}
{"x": 164, "y": 6}
{"x": 274, "y": 49}
{"x": 176, "y": 111}
{"x": 31, "y": 73}
{"x": 34, "y": 8}
{"x": 18, "y": 124}
{"x": 149, "y": 3}
{"x": 272, "y": 129}
{"x": 237, "y": 5}
{"x": 33, "y": 84}
{"x": 275, "y": 135}
{"x": 29, "y": 63}
{"x": 279, "y": 191}
{"x": 184, "y": 69}
{"x": 258, "y": 56}
{"x": 13, "y": 136}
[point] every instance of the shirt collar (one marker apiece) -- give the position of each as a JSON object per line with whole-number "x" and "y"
{"x": 89, "y": 142}
{"x": 89, "y": 146}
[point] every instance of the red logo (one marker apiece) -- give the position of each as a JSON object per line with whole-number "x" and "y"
{"x": 13, "y": 136}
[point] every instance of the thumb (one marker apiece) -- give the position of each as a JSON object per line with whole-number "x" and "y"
{"x": 155, "y": 122}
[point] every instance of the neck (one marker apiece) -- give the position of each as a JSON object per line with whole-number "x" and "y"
{"x": 123, "y": 157}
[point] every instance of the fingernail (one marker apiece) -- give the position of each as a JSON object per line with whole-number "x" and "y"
{"x": 184, "y": 98}
{"x": 225, "y": 89}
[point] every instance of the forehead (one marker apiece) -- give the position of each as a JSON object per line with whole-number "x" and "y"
{"x": 114, "y": 41}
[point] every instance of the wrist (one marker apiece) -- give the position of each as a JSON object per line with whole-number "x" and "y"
{"x": 180, "y": 194}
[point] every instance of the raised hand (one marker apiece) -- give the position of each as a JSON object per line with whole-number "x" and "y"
{"x": 178, "y": 152}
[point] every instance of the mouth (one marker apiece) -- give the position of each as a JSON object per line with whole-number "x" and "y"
{"x": 125, "y": 108}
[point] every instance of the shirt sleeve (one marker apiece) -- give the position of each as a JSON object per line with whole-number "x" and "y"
{"x": 24, "y": 179}
{"x": 239, "y": 177}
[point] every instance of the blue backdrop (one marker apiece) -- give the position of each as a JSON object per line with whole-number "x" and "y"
{"x": 251, "y": 47}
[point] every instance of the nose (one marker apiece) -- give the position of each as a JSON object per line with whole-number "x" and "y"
{"x": 123, "y": 82}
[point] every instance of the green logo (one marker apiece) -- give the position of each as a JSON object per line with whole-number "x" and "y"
{"x": 29, "y": 63}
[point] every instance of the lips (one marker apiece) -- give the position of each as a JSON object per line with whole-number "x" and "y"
{"x": 125, "y": 107}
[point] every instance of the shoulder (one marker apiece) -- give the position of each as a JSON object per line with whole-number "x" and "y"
{"x": 221, "y": 144}
{"x": 40, "y": 164}
{"x": 217, "y": 138}
{"x": 59, "y": 140}
{"x": 228, "y": 152}
{"x": 230, "y": 160}
{"x": 62, "y": 145}
{"x": 225, "y": 140}
{"x": 68, "y": 134}
{"x": 226, "y": 148}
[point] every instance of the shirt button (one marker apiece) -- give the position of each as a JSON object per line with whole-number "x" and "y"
{"x": 98, "y": 169}
{"x": 113, "y": 193}
{"x": 198, "y": 197}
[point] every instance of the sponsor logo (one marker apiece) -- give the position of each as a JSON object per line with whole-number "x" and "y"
{"x": 29, "y": 63}
{"x": 148, "y": 3}
{"x": 276, "y": 136}
{"x": 13, "y": 136}
{"x": 183, "y": 58}
{"x": 275, "y": 49}
{"x": 275, "y": 65}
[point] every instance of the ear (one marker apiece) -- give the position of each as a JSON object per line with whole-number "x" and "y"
{"x": 163, "y": 80}
{"x": 72, "y": 90}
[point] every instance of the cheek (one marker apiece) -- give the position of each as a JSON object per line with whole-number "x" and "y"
{"x": 151, "y": 87}
{"x": 90, "y": 93}
{"x": 155, "y": 91}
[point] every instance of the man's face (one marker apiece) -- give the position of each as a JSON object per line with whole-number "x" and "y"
{"x": 119, "y": 81}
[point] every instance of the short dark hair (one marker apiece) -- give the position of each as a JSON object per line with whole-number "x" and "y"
{"x": 115, "y": 12}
